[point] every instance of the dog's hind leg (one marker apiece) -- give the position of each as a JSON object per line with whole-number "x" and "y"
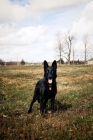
{"x": 35, "y": 97}
{"x": 30, "y": 109}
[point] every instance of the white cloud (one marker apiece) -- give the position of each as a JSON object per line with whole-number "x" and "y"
{"x": 28, "y": 43}
{"x": 85, "y": 24}
{"x": 10, "y": 35}
{"x": 13, "y": 11}
{"x": 6, "y": 29}
{"x": 10, "y": 11}
{"x": 45, "y": 5}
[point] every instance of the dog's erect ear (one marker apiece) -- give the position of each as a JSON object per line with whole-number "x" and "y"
{"x": 45, "y": 64}
{"x": 54, "y": 64}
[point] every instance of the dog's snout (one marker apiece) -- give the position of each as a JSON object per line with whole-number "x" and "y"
{"x": 50, "y": 76}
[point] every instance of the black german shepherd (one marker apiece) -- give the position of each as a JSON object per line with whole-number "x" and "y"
{"x": 46, "y": 88}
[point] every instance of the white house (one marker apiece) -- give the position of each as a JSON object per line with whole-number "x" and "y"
{"x": 90, "y": 61}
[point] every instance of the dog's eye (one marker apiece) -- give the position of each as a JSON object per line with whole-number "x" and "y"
{"x": 47, "y": 71}
{"x": 51, "y": 71}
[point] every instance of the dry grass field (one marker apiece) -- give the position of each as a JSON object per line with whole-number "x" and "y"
{"x": 73, "y": 115}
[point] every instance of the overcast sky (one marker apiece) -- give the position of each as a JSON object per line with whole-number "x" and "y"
{"x": 28, "y": 27}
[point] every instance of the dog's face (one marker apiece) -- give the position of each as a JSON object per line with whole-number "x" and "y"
{"x": 50, "y": 73}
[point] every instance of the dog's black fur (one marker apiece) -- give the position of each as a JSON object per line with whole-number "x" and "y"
{"x": 46, "y": 88}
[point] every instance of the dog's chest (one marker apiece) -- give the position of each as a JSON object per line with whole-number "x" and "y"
{"x": 49, "y": 94}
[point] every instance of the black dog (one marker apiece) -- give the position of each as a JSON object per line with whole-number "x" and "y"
{"x": 46, "y": 88}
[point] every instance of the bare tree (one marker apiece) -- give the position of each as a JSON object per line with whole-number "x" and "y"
{"x": 68, "y": 38}
{"x": 59, "y": 46}
{"x": 85, "y": 41}
{"x": 64, "y": 45}
{"x": 88, "y": 48}
{"x": 73, "y": 54}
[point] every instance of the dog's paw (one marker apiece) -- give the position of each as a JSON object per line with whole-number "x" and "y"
{"x": 29, "y": 111}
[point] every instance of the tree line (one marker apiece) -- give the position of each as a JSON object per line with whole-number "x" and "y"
{"x": 11, "y": 62}
{"x": 65, "y": 48}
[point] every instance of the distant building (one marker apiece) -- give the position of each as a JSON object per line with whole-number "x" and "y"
{"x": 90, "y": 61}
{"x": 1, "y": 62}
{"x": 11, "y": 63}
{"x": 60, "y": 61}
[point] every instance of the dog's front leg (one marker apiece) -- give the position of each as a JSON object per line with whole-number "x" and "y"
{"x": 41, "y": 107}
{"x": 52, "y": 104}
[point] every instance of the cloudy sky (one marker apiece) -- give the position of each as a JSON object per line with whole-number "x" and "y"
{"x": 28, "y": 27}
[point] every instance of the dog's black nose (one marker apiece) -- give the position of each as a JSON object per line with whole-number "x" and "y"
{"x": 50, "y": 76}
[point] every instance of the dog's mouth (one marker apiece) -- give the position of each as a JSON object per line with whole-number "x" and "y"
{"x": 50, "y": 81}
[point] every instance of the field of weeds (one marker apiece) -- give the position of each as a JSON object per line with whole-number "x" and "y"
{"x": 73, "y": 115}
